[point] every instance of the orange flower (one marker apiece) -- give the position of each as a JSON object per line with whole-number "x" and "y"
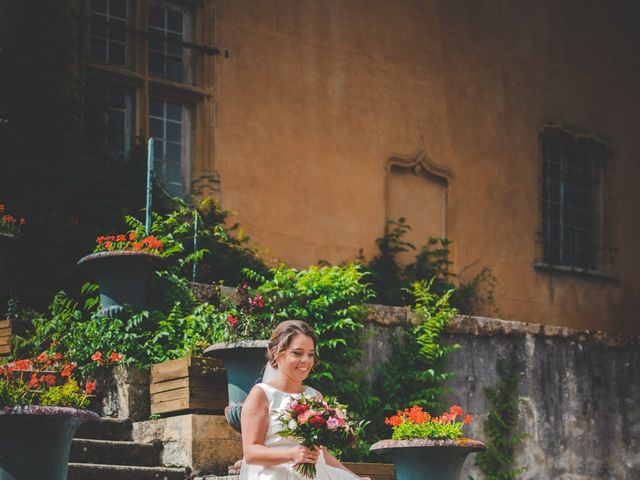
{"x": 456, "y": 410}
{"x": 115, "y": 357}
{"x": 22, "y": 221}
{"x": 43, "y": 357}
{"x": 97, "y": 357}
{"x": 22, "y": 365}
{"x": 121, "y": 238}
{"x": 34, "y": 382}
{"x": 50, "y": 379}
{"x": 132, "y": 236}
{"x": 2, "y": 207}
{"x": 90, "y": 387}
{"x": 56, "y": 356}
{"x": 67, "y": 369}
{"x": 467, "y": 419}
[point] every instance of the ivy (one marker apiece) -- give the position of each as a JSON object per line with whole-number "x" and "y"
{"x": 500, "y": 427}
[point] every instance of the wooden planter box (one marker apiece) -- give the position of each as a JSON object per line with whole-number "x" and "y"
{"x": 9, "y": 328}
{"x": 377, "y": 471}
{"x": 190, "y": 384}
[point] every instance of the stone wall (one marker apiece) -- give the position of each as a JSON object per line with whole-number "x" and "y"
{"x": 579, "y": 391}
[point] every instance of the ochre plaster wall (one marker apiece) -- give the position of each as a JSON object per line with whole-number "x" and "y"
{"x": 316, "y": 96}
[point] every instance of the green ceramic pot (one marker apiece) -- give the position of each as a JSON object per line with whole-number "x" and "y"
{"x": 423, "y": 459}
{"x": 35, "y": 441}
{"x": 122, "y": 277}
{"x": 244, "y": 362}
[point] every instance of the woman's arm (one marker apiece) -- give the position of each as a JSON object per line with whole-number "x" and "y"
{"x": 254, "y": 420}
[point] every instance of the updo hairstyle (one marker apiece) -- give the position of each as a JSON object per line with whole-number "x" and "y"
{"x": 282, "y": 336}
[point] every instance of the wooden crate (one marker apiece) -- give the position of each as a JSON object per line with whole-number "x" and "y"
{"x": 9, "y": 328}
{"x": 377, "y": 471}
{"x": 188, "y": 384}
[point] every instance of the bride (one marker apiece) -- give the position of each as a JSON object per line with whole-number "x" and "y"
{"x": 267, "y": 456}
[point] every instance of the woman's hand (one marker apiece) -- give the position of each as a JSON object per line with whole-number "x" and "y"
{"x": 302, "y": 454}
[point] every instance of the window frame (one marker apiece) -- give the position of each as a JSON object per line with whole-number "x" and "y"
{"x": 602, "y": 264}
{"x": 196, "y": 95}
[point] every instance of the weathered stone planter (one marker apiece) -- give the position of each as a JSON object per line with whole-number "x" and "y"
{"x": 7, "y": 245}
{"x": 423, "y": 459}
{"x": 123, "y": 392}
{"x": 35, "y": 441}
{"x": 122, "y": 277}
{"x": 244, "y": 362}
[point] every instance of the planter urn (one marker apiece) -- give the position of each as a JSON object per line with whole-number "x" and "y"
{"x": 122, "y": 277}
{"x": 7, "y": 246}
{"x": 425, "y": 459}
{"x": 244, "y": 362}
{"x": 36, "y": 440}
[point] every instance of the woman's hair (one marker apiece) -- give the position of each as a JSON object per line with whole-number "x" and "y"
{"x": 282, "y": 336}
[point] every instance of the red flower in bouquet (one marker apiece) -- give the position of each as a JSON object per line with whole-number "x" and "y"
{"x": 316, "y": 422}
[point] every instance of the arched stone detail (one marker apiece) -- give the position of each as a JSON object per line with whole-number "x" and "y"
{"x": 421, "y": 191}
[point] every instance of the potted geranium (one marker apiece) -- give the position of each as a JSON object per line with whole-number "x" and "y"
{"x": 121, "y": 265}
{"x": 39, "y": 413}
{"x": 426, "y": 447}
{"x": 10, "y": 231}
{"x": 248, "y": 322}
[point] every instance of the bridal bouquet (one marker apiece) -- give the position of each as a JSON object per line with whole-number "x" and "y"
{"x": 316, "y": 422}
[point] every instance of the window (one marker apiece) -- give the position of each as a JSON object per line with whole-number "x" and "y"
{"x": 169, "y": 27}
{"x": 169, "y": 127}
{"x": 573, "y": 214}
{"x": 107, "y": 38}
{"x": 110, "y": 117}
{"x": 142, "y": 57}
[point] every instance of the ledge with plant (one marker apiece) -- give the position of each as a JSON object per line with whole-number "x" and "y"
{"x": 41, "y": 406}
{"x": 432, "y": 448}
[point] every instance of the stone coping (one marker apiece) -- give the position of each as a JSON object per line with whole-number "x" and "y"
{"x": 388, "y": 444}
{"x": 50, "y": 411}
{"x": 151, "y": 257}
{"x": 485, "y": 327}
{"x": 217, "y": 347}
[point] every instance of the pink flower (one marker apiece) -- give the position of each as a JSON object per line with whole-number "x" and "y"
{"x": 333, "y": 423}
{"x": 305, "y": 416}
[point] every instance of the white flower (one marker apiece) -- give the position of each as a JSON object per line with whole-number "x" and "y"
{"x": 292, "y": 424}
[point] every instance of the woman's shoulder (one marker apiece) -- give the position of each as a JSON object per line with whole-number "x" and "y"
{"x": 311, "y": 392}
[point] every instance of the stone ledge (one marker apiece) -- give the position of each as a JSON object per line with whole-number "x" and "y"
{"x": 486, "y": 327}
{"x": 204, "y": 443}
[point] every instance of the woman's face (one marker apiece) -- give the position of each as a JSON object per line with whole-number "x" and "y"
{"x": 297, "y": 361}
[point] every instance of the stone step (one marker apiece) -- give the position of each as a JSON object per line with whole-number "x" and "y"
{"x": 106, "y": 429}
{"x": 114, "y": 452}
{"x": 90, "y": 471}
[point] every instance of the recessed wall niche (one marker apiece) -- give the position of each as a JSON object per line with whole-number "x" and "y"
{"x": 418, "y": 190}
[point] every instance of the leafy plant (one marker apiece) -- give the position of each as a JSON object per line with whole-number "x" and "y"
{"x": 415, "y": 373}
{"x": 9, "y": 224}
{"x": 391, "y": 281}
{"x": 413, "y": 422}
{"x": 497, "y": 462}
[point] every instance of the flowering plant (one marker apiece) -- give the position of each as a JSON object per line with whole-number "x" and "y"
{"x": 248, "y": 317}
{"x": 131, "y": 241}
{"x": 415, "y": 423}
{"x": 9, "y": 224}
{"x": 43, "y": 380}
{"x": 317, "y": 422}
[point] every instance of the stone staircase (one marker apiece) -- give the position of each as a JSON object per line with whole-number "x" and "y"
{"x": 104, "y": 450}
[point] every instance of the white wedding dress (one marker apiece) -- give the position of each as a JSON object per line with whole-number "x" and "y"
{"x": 277, "y": 402}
